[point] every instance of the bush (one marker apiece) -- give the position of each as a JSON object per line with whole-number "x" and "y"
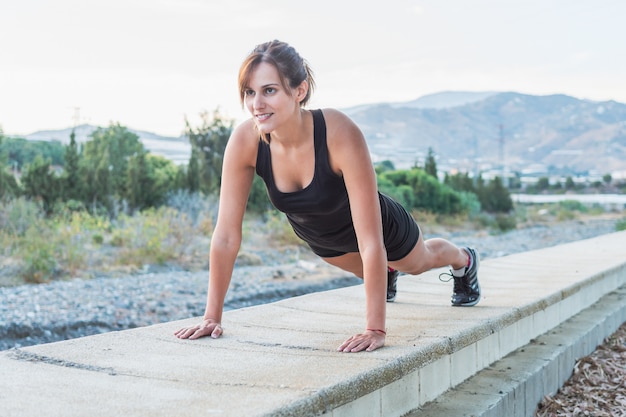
{"x": 505, "y": 222}
{"x": 37, "y": 250}
{"x": 470, "y": 200}
{"x": 17, "y": 215}
{"x": 195, "y": 206}
{"x": 573, "y": 205}
{"x": 153, "y": 236}
{"x": 415, "y": 189}
{"x": 620, "y": 225}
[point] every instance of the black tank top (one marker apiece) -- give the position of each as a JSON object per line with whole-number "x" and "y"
{"x": 319, "y": 213}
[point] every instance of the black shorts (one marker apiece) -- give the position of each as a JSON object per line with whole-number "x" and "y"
{"x": 400, "y": 232}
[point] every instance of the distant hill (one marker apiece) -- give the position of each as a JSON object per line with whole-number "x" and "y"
{"x": 446, "y": 99}
{"x": 175, "y": 149}
{"x": 469, "y": 131}
{"x": 479, "y": 131}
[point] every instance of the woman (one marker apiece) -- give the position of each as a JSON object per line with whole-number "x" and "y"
{"x": 317, "y": 169}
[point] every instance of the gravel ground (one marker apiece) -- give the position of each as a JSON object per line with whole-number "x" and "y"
{"x": 33, "y": 314}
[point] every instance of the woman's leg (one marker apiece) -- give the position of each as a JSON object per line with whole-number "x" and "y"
{"x": 437, "y": 253}
{"x": 426, "y": 255}
{"x": 433, "y": 253}
{"x": 350, "y": 262}
{"x": 429, "y": 254}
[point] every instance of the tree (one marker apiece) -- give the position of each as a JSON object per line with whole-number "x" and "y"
{"x": 150, "y": 179}
{"x": 98, "y": 193}
{"x": 543, "y": 183}
{"x": 415, "y": 189}
{"x": 107, "y": 155}
{"x": 41, "y": 183}
{"x": 496, "y": 198}
{"x": 208, "y": 143}
{"x": 72, "y": 180}
{"x": 138, "y": 182}
{"x": 3, "y": 167}
{"x": 460, "y": 182}
{"x": 8, "y": 185}
{"x": 21, "y": 151}
{"x": 384, "y": 166}
{"x": 193, "y": 171}
{"x": 430, "y": 165}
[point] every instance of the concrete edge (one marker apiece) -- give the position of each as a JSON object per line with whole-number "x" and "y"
{"x": 514, "y": 385}
{"x": 594, "y": 287}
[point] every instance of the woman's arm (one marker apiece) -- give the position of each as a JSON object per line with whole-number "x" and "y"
{"x": 350, "y": 157}
{"x": 237, "y": 175}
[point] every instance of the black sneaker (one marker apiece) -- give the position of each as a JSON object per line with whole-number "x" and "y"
{"x": 392, "y": 284}
{"x": 466, "y": 292}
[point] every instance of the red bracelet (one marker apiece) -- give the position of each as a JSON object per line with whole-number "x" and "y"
{"x": 378, "y": 330}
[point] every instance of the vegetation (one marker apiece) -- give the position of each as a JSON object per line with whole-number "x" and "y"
{"x": 208, "y": 143}
{"x": 111, "y": 206}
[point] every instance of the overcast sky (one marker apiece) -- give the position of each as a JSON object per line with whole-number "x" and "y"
{"x": 149, "y": 63}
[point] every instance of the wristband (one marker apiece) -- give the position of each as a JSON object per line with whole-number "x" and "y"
{"x": 378, "y": 330}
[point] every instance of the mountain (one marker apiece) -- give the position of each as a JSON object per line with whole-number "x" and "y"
{"x": 175, "y": 149}
{"x": 445, "y": 100}
{"x": 482, "y": 131}
{"x": 468, "y": 131}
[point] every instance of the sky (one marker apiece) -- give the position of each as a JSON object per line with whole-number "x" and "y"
{"x": 152, "y": 64}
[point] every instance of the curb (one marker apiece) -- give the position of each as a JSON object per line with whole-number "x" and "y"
{"x": 514, "y": 385}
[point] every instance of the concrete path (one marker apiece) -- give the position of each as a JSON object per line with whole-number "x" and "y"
{"x": 280, "y": 359}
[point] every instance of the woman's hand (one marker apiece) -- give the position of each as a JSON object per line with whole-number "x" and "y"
{"x": 368, "y": 341}
{"x": 208, "y": 327}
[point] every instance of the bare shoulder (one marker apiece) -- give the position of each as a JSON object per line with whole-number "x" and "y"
{"x": 340, "y": 129}
{"x": 244, "y": 141}
{"x": 244, "y": 132}
{"x": 346, "y": 143}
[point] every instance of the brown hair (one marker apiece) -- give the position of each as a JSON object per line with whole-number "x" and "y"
{"x": 292, "y": 69}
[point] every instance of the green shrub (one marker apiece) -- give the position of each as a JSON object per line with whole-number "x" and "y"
{"x": 37, "y": 251}
{"x": 18, "y": 214}
{"x": 471, "y": 201}
{"x": 573, "y": 205}
{"x": 415, "y": 189}
{"x": 505, "y": 222}
{"x": 620, "y": 225}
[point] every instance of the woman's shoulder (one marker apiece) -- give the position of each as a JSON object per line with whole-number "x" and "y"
{"x": 333, "y": 115}
{"x": 245, "y": 131}
{"x": 244, "y": 141}
{"x": 340, "y": 126}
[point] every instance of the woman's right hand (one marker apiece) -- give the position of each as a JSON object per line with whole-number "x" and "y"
{"x": 208, "y": 327}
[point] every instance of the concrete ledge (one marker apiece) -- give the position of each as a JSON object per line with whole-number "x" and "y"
{"x": 279, "y": 359}
{"x": 514, "y": 385}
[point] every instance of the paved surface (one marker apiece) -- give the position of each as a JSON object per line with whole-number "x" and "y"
{"x": 280, "y": 358}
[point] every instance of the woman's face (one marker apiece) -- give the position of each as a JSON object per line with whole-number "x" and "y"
{"x": 267, "y": 100}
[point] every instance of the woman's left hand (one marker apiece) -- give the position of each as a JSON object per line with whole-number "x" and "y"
{"x": 368, "y": 341}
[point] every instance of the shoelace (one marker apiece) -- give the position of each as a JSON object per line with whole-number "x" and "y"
{"x": 459, "y": 284}
{"x": 448, "y": 274}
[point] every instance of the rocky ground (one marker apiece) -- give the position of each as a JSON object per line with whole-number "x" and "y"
{"x": 39, "y": 313}
{"x": 32, "y": 314}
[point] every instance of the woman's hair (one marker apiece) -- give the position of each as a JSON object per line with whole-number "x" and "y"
{"x": 292, "y": 69}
